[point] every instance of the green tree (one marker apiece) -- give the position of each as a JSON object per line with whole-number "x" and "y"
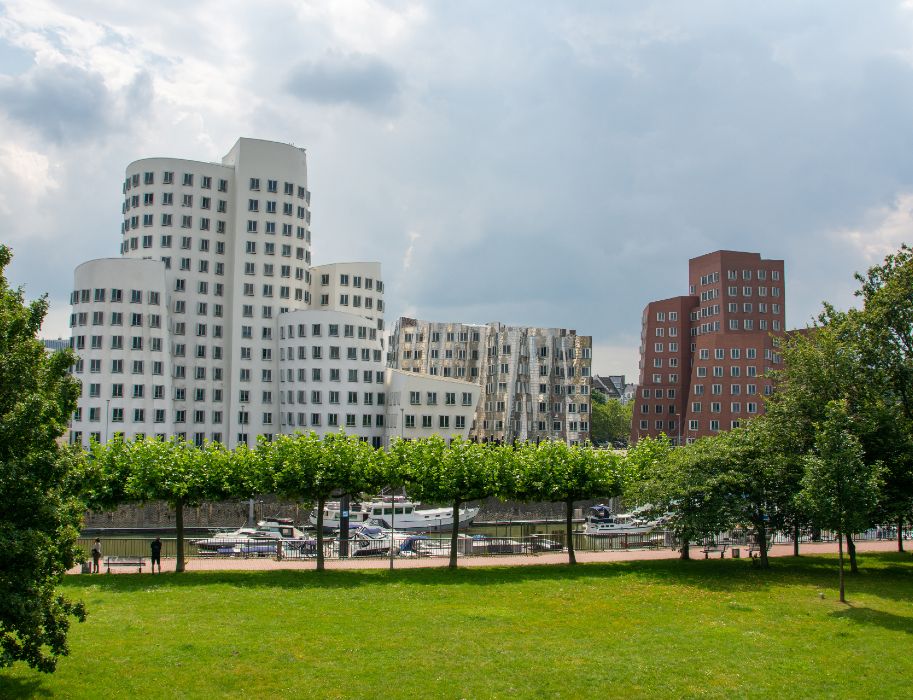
{"x": 308, "y": 469}
{"x": 457, "y": 473}
{"x": 786, "y": 446}
{"x": 610, "y": 419}
{"x": 556, "y": 472}
{"x": 103, "y": 480}
{"x": 758, "y": 478}
{"x": 841, "y": 489}
{"x": 179, "y": 473}
{"x": 40, "y": 517}
{"x": 828, "y": 363}
{"x": 685, "y": 485}
{"x": 887, "y": 292}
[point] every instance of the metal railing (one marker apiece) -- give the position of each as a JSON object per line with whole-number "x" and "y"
{"x": 436, "y": 545}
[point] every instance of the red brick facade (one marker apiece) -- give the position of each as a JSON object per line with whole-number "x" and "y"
{"x": 704, "y": 357}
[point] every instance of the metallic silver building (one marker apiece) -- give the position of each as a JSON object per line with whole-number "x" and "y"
{"x": 535, "y": 381}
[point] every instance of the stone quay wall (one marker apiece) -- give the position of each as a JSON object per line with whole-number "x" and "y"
{"x": 225, "y": 514}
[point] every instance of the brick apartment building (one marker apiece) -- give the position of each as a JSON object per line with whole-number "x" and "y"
{"x": 704, "y": 357}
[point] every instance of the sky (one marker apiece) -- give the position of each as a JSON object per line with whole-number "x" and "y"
{"x": 536, "y": 163}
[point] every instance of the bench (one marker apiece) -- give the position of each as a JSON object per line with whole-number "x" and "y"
{"x": 133, "y": 562}
{"x": 713, "y": 548}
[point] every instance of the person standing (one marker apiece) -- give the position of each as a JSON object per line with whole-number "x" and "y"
{"x": 96, "y": 555}
{"x": 156, "y": 554}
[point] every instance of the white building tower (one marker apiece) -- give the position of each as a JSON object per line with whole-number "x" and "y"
{"x": 213, "y": 326}
{"x": 229, "y": 247}
{"x": 332, "y": 356}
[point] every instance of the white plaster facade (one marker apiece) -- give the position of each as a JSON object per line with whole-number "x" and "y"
{"x": 213, "y": 325}
{"x": 422, "y": 405}
{"x": 331, "y": 374}
{"x": 120, "y": 327}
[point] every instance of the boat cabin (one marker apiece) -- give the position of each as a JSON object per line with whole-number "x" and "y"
{"x": 388, "y": 510}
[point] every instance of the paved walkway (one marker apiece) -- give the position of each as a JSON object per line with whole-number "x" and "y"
{"x": 267, "y": 564}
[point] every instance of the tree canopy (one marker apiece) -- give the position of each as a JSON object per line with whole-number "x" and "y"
{"x": 40, "y": 517}
{"x": 610, "y": 420}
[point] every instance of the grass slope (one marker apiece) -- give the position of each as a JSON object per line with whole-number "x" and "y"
{"x": 715, "y": 629}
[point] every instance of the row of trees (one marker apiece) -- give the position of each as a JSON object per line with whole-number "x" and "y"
{"x": 310, "y": 469}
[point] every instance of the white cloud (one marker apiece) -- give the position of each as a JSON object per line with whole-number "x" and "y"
{"x": 366, "y": 25}
{"x": 25, "y": 177}
{"x": 410, "y": 250}
{"x": 884, "y": 231}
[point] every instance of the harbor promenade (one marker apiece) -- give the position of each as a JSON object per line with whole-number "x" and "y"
{"x": 551, "y": 558}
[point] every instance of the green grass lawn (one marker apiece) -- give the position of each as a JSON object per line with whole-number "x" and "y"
{"x": 657, "y": 629}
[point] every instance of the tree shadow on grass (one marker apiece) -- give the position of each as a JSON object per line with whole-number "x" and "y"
{"x": 717, "y": 575}
{"x": 15, "y": 688}
{"x": 879, "y": 618}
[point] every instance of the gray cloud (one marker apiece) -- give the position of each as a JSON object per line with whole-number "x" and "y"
{"x": 64, "y": 103}
{"x": 354, "y": 79}
{"x": 559, "y": 163}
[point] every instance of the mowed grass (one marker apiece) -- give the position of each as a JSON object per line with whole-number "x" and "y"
{"x": 716, "y": 629}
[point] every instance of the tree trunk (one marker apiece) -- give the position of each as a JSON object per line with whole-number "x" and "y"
{"x": 569, "y": 531}
{"x": 686, "y": 546}
{"x": 179, "y": 533}
{"x": 454, "y": 534}
{"x": 899, "y": 534}
{"x": 321, "y": 501}
{"x": 796, "y": 533}
{"x": 851, "y": 550}
{"x": 762, "y": 546}
{"x": 840, "y": 546}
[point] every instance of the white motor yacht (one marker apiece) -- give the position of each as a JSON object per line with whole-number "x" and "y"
{"x": 267, "y": 530}
{"x": 398, "y": 512}
{"x": 601, "y": 521}
{"x": 332, "y": 513}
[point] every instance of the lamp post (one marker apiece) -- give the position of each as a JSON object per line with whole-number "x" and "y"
{"x": 402, "y": 418}
{"x": 344, "y": 526}
{"x": 107, "y": 416}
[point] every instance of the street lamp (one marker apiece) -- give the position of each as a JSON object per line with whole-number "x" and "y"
{"x": 402, "y": 419}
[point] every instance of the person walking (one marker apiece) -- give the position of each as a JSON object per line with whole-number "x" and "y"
{"x": 156, "y": 553}
{"x": 96, "y": 555}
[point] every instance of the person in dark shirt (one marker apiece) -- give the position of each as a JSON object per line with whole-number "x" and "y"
{"x": 96, "y": 555}
{"x": 156, "y": 554}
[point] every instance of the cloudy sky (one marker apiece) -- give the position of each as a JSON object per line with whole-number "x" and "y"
{"x": 539, "y": 163}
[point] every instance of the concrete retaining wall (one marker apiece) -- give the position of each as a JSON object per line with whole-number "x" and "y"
{"x": 235, "y": 513}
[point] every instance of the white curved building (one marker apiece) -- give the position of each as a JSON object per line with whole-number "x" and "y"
{"x": 349, "y": 287}
{"x": 422, "y": 405}
{"x": 213, "y": 325}
{"x": 232, "y": 241}
{"x": 120, "y": 324}
{"x": 331, "y": 374}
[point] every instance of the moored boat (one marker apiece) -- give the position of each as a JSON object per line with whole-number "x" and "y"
{"x": 268, "y": 530}
{"x": 398, "y": 512}
{"x": 601, "y": 520}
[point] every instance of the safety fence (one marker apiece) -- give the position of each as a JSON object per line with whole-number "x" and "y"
{"x": 377, "y": 544}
